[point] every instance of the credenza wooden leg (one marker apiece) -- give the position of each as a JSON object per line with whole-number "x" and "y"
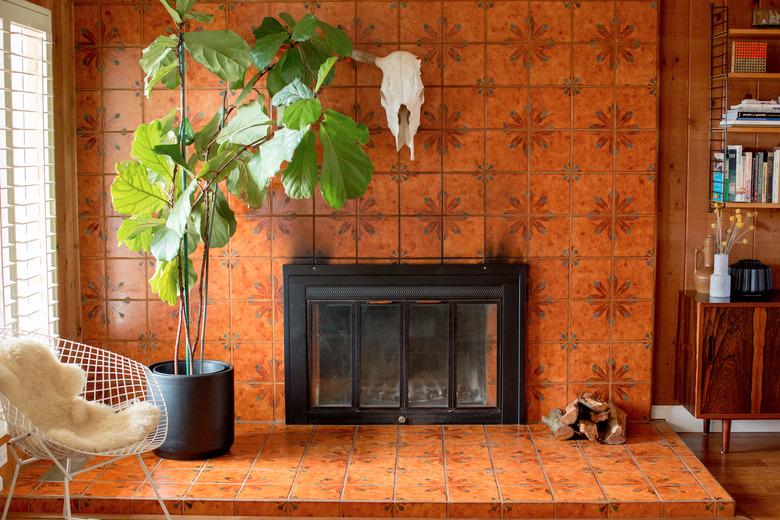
{"x": 706, "y": 426}
{"x": 726, "y": 435}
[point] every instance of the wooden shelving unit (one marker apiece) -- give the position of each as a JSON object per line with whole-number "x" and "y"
{"x": 751, "y": 129}
{"x": 752, "y": 205}
{"x": 754, "y": 33}
{"x": 720, "y": 76}
{"x": 754, "y": 75}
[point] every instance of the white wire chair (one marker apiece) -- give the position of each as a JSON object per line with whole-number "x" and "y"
{"x": 112, "y": 380}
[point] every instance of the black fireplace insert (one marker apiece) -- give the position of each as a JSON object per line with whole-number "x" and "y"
{"x": 415, "y": 344}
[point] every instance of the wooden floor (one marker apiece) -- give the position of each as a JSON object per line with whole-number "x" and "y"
{"x": 750, "y": 472}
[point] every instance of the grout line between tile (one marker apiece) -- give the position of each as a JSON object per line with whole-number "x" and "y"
{"x": 493, "y": 467}
{"x": 254, "y": 461}
{"x": 444, "y": 469}
{"x": 397, "y": 459}
{"x": 349, "y": 463}
{"x": 592, "y": 472}
{"x": 300, "y": 463}
{"x": 541, "y": 465}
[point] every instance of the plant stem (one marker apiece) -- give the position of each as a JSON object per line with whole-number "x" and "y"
{"x": 183, "y": 265}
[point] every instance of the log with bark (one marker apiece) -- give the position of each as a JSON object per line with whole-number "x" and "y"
{"x": 560, "y": 430}
{"x": 591, "y": 417}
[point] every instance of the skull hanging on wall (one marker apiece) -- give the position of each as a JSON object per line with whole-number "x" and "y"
{"x": 402, "y": 93}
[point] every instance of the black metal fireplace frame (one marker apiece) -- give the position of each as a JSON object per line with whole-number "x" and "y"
{"x": 507, "y": 281}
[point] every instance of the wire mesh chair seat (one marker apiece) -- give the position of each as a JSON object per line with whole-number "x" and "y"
{"x": 112, "y": 380}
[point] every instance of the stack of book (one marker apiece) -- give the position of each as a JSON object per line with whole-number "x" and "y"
{"x": 746, "y": 176}
{"x": 752, "y": 112}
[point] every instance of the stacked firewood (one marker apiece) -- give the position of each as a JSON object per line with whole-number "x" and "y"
{"x": 591, "y": 417}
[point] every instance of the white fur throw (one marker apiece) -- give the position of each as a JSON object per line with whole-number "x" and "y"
{"x": 47, "y": 392}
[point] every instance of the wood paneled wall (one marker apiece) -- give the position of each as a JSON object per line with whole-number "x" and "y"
{"x": 683, "y": 189}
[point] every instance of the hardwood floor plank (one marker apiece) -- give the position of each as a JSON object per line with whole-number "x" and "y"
{"x": 749, "y": 472}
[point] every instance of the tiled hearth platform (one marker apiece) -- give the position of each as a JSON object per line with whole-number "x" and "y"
{"x": 411, "y": 471}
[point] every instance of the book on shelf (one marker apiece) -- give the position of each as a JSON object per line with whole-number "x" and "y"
{"x": 746, "y": 175}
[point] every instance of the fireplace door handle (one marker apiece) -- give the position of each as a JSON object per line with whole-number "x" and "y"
{"x": 379, "y": 302}
{"x": 425, "y": 302}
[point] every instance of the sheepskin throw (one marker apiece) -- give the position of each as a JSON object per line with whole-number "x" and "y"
{"x": 47, "y": 392}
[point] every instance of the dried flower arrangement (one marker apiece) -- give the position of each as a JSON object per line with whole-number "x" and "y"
{"x": 738, "y": 228}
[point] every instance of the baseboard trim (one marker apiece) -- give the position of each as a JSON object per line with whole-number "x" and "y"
{"x": 681, "y": 420}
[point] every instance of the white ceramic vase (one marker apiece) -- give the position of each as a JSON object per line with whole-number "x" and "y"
{"x": 720, "y": 280}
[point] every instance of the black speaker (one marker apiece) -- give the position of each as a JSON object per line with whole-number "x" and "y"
{"x": 750, "y": 279}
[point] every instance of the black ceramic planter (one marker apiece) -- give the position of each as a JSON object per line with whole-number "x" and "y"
{"x": 200, "y": 410}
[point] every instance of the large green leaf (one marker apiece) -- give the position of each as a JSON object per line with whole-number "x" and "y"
{"x": 243, "y": 186}
{"x": 168, "y": 120}
{"x": 287, "y": 17}
{"x": 223, "y": 222}
{"x": 300, "y": 176}
{"x": 301, "y": 61}
{"x": 136, "y": 232}
{"x": 159, "y": 63}
{"x": 166, "y": 241}
{"x": 268, "y": 160}
{"x": 292, "y": 93}
{"x": 324, "y": 74}
{"x": 165, "y": 282}
{"x": 269, "y": 25}
{"x": 264, "y": 50}
{"x": 171, "y": 11}
{"x": 183, "y": 7}
{"x": 174, "y": 152}
{"x": 346, "y": 169}
{"x": 248, "y": 125}
{"x": 133, "y": 194}
{"x": 220, "y": 162}
{"x": 223, "y": 53}
{"x": 207, "y": 133}
{"x": 304, "y": 29}
{"x": 337, "y": 38}
{"x": 302, "y": 113}
{"x": 288, "y": 68}
{"x": 145, "y": 138}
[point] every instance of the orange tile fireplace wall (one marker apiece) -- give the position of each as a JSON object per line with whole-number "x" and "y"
{"x": 538, "y": 145}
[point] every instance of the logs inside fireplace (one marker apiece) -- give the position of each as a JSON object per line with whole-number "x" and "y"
{"x": 425, "y": 344}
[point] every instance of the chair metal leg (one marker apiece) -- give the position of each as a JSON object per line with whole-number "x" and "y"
{"x": 13, "y": 486}
{"x": 66, "y": 513}
{"x": 153, "y": 485}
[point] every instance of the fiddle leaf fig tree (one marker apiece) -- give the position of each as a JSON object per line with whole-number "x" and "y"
{"x": 172, "y": 192}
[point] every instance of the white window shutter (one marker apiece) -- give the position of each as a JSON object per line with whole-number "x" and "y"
{"x": 28, "y": 247}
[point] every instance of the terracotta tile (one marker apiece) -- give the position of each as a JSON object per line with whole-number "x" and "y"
{"x": 312, "y": 509}
{"x": 305, "y": 491}
{"x": 100, "y": 506}
{"x": 546, "y": 362}
{"x": 528, "y": 510}
{"x": 216, "y": 475}
{"x": 260, "y": 507}
{"x": 690, "y": 509}
{"x": 633, "y": 492}
{"x": 421, "y": 509}
{"x": 474, "y": 510}
{"x": 376, "y": 23}
{"x": 172, "y": 490}
{"x": 55, "y": 489}
{"x": 152, "y": 507}
{"x": 369, "y": 493}
{"x": 192, "y": 507}
{"x": 105, "y": 489}
{"x": 212, "y": 492}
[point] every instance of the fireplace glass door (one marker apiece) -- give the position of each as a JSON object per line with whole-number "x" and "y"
{"x": 403, "y": 356}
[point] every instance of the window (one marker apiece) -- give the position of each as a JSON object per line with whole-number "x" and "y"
{"x": 28, "y": 248}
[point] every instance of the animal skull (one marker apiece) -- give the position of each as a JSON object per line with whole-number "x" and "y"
{"x": 402, "y": 93}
